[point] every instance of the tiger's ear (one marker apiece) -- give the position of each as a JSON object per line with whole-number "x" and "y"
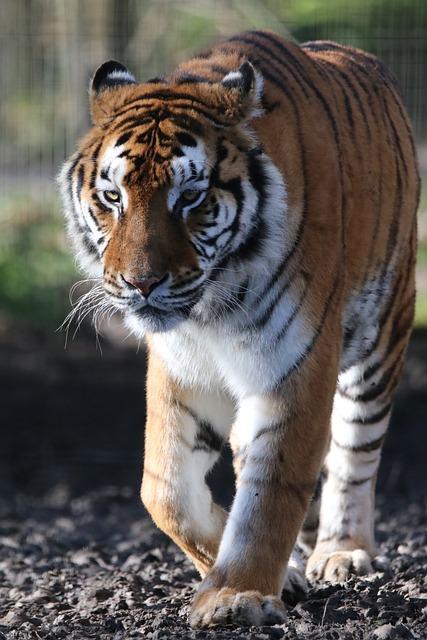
{"x": 243, "y": 92}
{"x": 104, "y": 97}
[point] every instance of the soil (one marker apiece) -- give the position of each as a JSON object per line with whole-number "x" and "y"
{"x": 80, "y": 558}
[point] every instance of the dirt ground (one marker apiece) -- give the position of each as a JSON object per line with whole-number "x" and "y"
{"x": 79, "y": 557}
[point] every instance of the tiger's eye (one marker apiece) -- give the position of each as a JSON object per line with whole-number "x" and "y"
{"x": 190, "y": 194}
{"x": 112, "y": 196}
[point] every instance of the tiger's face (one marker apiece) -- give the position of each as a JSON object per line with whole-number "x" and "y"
{"x": 163, "y": 189}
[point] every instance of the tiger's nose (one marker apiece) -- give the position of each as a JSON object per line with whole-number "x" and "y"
{"x": 145, "y": 285}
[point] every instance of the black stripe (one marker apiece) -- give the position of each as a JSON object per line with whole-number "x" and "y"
{"x": 92, "y": 182}
{"x": 252, "y": 244}
{"x": 396, "y": 141}
{"x": 156, "y": 80}
{"x": 80, "y": 180}
{"x": 348, "y": 109}
{"x": 100, "y": 204}
{"x": 88, "y": 244}
{"x": 309, "y": 348}
{"x": 395, "y": 221}
{"x": 318, "y": 489}
{"x": 407, "y": 126}
{"x": 144, "y": 137}
{"x": 185, "y": 122}
{"x": 185, "y": 139}
{"x": 373, "y": 418}
{"x": 207, "y": 439}
{"x": 373, "y": 445}
{"x": 95, "y": 220}
{"x": 310, "y": 528}
{"x": 380, "y": 386}
{"x": 357, "y": 98}
{"x": 131, "y": 122}
{"x": 372, "y": 253}
{"x": 123, "y": 138}
{"x": 402, "y": 330}
{"x": 283, "y": 331}
{"x": 262, "y": 320}
{"x": 346, "y": 481}
{"x": 216, "y": 68}
{"x": 70, "y": 175}
{"x": 357, "y": 483}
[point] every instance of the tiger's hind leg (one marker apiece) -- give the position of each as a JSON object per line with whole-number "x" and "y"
{"x": 360, "y": 417}
{"x": 307, "y": 537}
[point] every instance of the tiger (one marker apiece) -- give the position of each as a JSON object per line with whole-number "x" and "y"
{"x": 252, "y": 215}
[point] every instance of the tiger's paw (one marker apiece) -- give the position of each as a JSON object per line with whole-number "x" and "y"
{"x": 338, "y": 566}
{"x": 216, "y": 607}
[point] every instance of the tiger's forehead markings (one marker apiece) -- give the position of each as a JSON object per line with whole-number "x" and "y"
{"x": 192, "y": 166}
{"x": 113, "y": 164}
{"x": 189, "y": 170}
{"x": 169, "y": 99}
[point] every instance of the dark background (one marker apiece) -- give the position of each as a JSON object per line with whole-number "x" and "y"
{"x": 74, "y": 417}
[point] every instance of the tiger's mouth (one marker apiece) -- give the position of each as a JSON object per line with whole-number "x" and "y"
{"x": 160, "y": 311}
{"x": 152, "y": 319}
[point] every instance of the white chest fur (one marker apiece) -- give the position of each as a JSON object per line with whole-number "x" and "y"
{"x": 210, "y": 358}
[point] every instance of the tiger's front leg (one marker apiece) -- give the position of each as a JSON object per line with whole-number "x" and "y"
{"x": 279, "y": 441}
{"x": 183, "y": 437}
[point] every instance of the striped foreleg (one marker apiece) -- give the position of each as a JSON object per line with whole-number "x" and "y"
{"x": 184, "y": 433}
{"x": 279, "y": 448}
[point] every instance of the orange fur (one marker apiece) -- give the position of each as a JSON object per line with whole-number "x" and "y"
{"x": 334, "y": 125}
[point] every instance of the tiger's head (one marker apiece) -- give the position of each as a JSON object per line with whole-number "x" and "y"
{"x": 165, "y": 189}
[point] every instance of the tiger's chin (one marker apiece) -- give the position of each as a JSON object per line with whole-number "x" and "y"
{"x": 152, "y": 320}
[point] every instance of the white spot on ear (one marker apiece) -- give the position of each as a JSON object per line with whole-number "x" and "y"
{"x": 236, "y": 79}
{"x": 124, "y": 76}
{"x": 232, "y": 78}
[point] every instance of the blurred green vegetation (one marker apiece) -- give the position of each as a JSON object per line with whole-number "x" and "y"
{"x": 36, "y": 268}
{"x": 421, "y": 311}
{"x": 49, "y": 48}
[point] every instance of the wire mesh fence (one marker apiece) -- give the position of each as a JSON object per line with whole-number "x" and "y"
{"x": 50, "y": 48}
